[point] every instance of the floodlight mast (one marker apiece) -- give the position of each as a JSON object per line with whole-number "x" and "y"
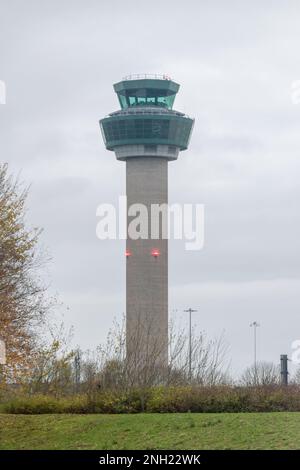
{"x": 255, "y": 325}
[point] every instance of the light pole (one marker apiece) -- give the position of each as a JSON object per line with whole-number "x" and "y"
{"x": 255, "y": 325}
{"x": 190, "y": 311}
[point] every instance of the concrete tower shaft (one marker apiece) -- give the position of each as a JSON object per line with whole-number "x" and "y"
{"x": 147, "y": 264}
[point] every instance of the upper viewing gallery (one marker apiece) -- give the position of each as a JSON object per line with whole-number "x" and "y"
{"x": 133, "y": 91}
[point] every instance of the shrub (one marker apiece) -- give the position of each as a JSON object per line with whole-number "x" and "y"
{"x": 42, "y": 404}
{"x": 164, "y": 400}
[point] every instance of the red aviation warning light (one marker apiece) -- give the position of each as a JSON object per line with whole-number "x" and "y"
{"x": 128, "y": 253}
{"x": 155, "y": 253}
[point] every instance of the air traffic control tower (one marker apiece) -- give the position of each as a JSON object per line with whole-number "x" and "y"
{"x": 146, "y": 133}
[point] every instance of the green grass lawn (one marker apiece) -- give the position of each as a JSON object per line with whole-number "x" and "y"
{"x": 151, "y": 431}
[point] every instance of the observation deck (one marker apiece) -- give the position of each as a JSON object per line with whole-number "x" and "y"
{"x": 146, "y": 116}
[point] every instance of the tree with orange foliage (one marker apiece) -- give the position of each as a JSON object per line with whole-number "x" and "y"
{"x": 22, "y": 295}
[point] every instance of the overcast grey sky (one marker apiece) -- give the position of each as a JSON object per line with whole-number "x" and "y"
{"x": 235, "y": 62}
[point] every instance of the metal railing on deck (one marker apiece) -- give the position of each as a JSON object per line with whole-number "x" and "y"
{"x": 140, "y": 76}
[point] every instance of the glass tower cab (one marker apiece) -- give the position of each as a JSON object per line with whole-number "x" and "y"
{"x": 146, "y": 92}
{"x": 146, "y": 124}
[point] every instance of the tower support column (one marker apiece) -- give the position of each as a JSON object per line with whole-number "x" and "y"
{"x": 147, "y": 265}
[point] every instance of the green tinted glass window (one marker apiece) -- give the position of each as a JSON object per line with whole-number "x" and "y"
{"x": 132, "y": 100}
{"x": 146, "y": 97}
{"x": 122, "y": 131}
